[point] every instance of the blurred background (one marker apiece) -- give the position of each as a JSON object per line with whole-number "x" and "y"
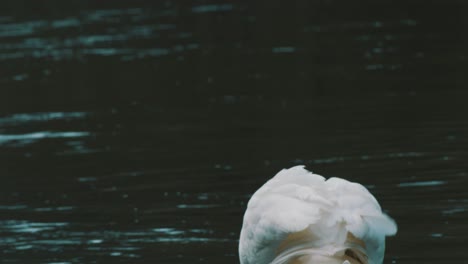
{"x": 136, "y": 131}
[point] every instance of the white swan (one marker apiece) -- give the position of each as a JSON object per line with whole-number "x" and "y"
{"x": 299, "y": 217}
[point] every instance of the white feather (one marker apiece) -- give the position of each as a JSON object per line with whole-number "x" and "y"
{"x": 295, "y": 201}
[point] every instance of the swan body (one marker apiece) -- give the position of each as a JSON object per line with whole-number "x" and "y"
{"x": 298, "y": 217}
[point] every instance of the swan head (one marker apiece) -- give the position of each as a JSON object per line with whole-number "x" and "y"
{"x": 298, "y": 249}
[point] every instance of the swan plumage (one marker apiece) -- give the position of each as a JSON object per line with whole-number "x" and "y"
{"x": 300, "y": 217}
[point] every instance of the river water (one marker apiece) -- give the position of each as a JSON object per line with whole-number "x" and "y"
{"x": 136, "y": 133}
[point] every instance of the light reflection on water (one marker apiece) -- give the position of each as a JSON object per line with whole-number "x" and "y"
{"x": 421, "y": 184}
{"x": 18, "y": 119}
{"x": 212, "y": 8}
{"x": 32, "y": 137}
{"x": 27, "y": 227}
{"x": 23, "y": 236}
{"x": 32, "y": 44}
{"x": 125, "y": 27}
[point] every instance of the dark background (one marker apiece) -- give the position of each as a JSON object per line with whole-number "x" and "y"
{"x": 136, "y": 131}
{"x": 95, "y": 53}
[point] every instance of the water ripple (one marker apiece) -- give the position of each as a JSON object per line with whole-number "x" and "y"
{"x": 421, "y": 184}
{"x": 36, "y": 136}
{"x": 19, "y": 119}
{"x": 212, "y": 8}
{"x": 29, "y": 227}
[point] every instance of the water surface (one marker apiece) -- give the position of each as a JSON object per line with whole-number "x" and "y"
{"x": 136, "y": 133}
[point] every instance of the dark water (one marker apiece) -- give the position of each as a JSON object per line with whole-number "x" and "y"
{"x": 136, "y": 132}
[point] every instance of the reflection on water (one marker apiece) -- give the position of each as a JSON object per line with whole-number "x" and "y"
{"x": 54, "y": 237}
{"x": 25, "y": 227}
{"x": 137, "y": 132}
{"x": 31, "y": 137}
{"x": 18, "y": 119}
{"x": 212, "y": 8}
{"x": 68, "y": 38}
{"x": 421, "y": 184}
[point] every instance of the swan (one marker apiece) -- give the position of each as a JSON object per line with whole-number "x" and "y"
{"x": 298, "y": 217}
